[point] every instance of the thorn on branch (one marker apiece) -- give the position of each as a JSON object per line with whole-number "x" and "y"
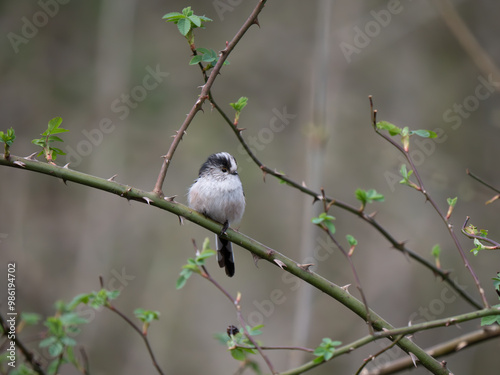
{"x": 256, "y": 259}
{"x": 170, "y": 199}
{"x": 66, "y": 166}
{"x": 31, "y": 157}
{"x": 20, "y": 163}
{"x": 305, "y": 266}
{"x": 112, "y": 178}
{"x": 280, "y": 263}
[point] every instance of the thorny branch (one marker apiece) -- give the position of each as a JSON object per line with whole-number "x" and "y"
{"x": 252, "y": 19}
{"x": 423, "y": 190}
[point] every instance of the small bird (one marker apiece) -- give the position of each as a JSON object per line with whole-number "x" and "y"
{"x": 218, "y": 194}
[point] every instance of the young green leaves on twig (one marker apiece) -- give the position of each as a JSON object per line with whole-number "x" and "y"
{"x": 48, "y": 136}
{"x": 325, "y": 350}
{"x": 206, "y": 55}
{"x": 324, "y": 221}
{"x": 238, "y": 107}
{"x": 8, "y": 138}
{"x": 369, "y": 196}
{"x": 195, "y": 264}
{"x": 187, "y": 22}
{"x": 146, "y": 317}
{"x": 59, "y": 340}
{"x": 436, "y": 252}
{"x": 480, "y": 236}
{"x": 451, "y": 205}
{"x": 406, "y": 178}
{"x": 405, "y": 133}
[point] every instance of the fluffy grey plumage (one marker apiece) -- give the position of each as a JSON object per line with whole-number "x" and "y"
{"x": 218, "y": 194}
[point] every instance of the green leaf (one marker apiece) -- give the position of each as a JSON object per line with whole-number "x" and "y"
{"x": 206, "y": 254}
{"x": 489, "y": 320}
{"x": 196, "y": 60}
{"x": 146, "y": 316}
{"x": 80, "y": 298}
{"x": 72, "y": 319}
{"x": 54, "y": 138}
{"x": 496, "y": 281}
{"x": 240, "y": 104}
{"x": 351, "y": 240}
{"x": 424, "y": 133}
{"x": 54, "y": 123}
{"x": 47, "y": 341}
{"x": 391, "y": 128}
{"x": 172, "y": 16}
{"x": 56, "y": 349}
{"x": 181, "y": 281}
{"x": 8, "y": 137}
{"x": 30, "y": 318}
{"x": 59, "y": 130}
{"x": 452, "y": 202}
{"x": 195, "y": 20}
{"x": 361, "y": 196}
{"x": 205, "y": 19}
{"x": 68, "y": 341}
{"x": 330, "y": 226}
{"x": 184, "y": 26}
{"x": 325, "y": 220}
{"x": 238, "y": 354}
{"x": 436, "y": 251}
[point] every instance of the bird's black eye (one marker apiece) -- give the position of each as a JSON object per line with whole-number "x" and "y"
{"x": 224, "y": 169}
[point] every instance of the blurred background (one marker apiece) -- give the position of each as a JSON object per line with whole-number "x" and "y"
{"x": 119, "y": 77}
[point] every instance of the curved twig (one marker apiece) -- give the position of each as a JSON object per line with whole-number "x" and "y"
{"x": 423, "y": 190}
{"x": 252, "y": 19}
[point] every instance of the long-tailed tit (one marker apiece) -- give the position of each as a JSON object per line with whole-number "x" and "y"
{"x": 218, "y": 194}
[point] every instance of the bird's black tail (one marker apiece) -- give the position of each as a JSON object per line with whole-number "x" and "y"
{"x": 225, "y": 255}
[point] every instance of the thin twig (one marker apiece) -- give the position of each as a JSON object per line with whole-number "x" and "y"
{"x": 252, "y": 19}
{"x": 30, "y": 358}
{"x": 373, "y": 356}
{"x": 495, "y": 244}
{"x": 423, "y": 190}
{"x": 477, "y": 178}
{"x": 351, "y": 264}
{"x": 139, "y": 331}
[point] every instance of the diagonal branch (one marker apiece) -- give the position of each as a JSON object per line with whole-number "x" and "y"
{"x": 252, "y": 19}
{"x": 262, "y": 251}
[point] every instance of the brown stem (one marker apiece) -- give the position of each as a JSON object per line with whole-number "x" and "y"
{"x": 252, "y": 19}
{"x": 495, "y": 244}
{"x": 423, "y": 190}
{"x": 139, "y": 331}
